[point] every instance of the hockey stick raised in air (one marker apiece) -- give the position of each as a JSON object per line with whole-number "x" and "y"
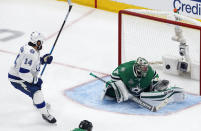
{"x": 69, "y": 9}
{"x": 139, "y": 101}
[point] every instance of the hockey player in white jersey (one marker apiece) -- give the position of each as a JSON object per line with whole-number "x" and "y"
{"x": 23, "y": 75}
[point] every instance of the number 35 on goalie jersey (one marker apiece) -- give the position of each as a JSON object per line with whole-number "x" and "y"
{"x": 27, "y": 64}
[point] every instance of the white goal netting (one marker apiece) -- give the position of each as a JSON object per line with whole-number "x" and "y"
{"x": 148, "y": 34}
{"x": 152, "y": 39}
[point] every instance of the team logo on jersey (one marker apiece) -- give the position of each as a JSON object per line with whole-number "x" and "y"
{"x": 21, "y": 49}
{"x": 136, "y": 89}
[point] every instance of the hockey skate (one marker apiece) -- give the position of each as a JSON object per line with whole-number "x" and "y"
{"x": 49, "y": 118}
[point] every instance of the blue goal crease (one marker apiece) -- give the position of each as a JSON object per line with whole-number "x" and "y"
{"x": 89, "y": 94}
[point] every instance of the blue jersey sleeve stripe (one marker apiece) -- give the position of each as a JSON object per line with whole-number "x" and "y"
{"x": 23, "y": 70}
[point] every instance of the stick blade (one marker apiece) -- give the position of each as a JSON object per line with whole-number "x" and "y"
{"x": 162, "y": 104}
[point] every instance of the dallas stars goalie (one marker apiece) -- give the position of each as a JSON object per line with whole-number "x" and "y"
{"x": 137, "y": 78}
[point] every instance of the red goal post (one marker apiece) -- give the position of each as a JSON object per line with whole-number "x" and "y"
{"x": 130, "y": 21}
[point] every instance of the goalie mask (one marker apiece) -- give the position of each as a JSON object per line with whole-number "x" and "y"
{"x": 36, "y": 39}
{"x": 141, "y": 67}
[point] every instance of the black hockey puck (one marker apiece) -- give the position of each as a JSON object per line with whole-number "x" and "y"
{"x": 167, "y": 66}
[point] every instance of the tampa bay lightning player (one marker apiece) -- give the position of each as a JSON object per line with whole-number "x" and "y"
{"x": 23, "y": 75}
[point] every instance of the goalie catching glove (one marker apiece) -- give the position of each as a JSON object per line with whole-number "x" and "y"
{"x": 160, "y": 85}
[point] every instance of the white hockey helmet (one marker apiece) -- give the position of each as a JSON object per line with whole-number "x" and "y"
{"x": 141, "y": 67}
{"x": 37, "y": 39}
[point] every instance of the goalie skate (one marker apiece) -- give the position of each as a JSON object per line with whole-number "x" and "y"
{"x": 49, "y": 118}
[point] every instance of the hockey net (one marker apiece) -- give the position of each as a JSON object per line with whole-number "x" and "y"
{"x": 148, "y": 33}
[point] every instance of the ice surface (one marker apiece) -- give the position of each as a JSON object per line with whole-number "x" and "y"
{"x": 89, "y": 94}
{"x": 87, "y": 43}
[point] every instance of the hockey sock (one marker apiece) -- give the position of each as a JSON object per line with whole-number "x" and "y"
{"x": 39, "y": 102}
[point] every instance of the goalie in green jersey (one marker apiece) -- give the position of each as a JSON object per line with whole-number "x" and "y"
{"x": 137, "y": 78}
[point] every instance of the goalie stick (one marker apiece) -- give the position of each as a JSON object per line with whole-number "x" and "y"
{"x": 139, "y": 101}
{"x": 69, "y": 9}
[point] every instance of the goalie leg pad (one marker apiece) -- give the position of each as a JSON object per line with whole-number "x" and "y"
{"x": 174, "y": 94}
{"x": 119, "y": 89}
{"x": 179, "y": 95}
{"x": 108, "y": 92}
